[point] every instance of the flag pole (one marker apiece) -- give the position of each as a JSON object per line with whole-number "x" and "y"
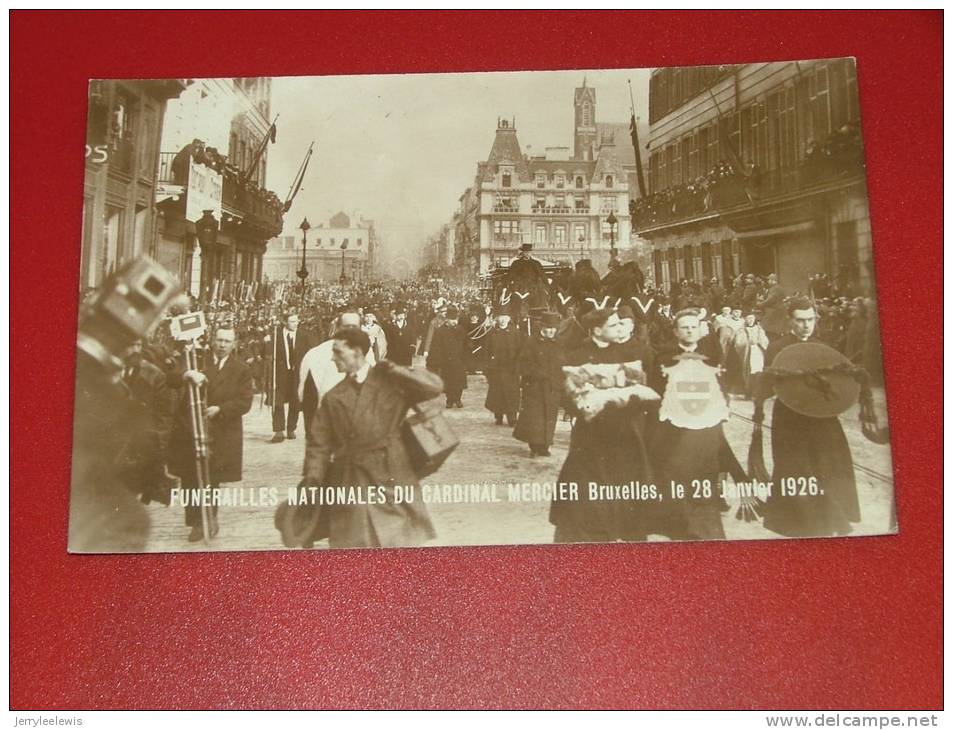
{"x": 298, "y": 179}
{"x": 635, "y": 143}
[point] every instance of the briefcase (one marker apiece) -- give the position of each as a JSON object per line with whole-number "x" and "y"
{"x": 429, "y": 439}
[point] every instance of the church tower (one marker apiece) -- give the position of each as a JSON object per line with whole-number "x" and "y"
{"x": 584, "y": 136}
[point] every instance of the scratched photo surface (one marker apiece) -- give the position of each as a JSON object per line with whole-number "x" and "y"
{"x": 579, "y": 306}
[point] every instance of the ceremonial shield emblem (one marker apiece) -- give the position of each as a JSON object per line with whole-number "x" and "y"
{"x": 692, "y": 398}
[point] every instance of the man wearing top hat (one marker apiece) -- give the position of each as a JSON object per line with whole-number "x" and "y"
{"x": 401, "y": 338}
{"x": 805, "y": 447}
{"x": 448, "y": 357}
{"x": 541, "y": 379}
{"x": 525, "y": 271}
{"x": 502, "y": 371}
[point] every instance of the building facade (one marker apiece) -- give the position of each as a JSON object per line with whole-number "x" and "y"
{"x": 466, "y": 225}
{"x": 214, "y": 158}
{"x": 757, "y": 168}
{"x": 569, "y": 205}
{"x": 339, "y": 247}
{"x": 124, "y": 126}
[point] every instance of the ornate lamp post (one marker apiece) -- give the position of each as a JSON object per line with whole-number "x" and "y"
{"x": 303, "y": 271}
{"x": 612, "y": 221}
{"x": 206, "y": 231}
{"x": 343, "y": 278}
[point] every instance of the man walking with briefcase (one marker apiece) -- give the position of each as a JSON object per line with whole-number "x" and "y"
{"x": 357, "y": 441}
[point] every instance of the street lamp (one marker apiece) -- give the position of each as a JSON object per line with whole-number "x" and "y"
{"x": 612, "y": 221}
{"x": 206, "y": 231}
{"x": 303, "y": 271}
{"x": 343, "y": 278}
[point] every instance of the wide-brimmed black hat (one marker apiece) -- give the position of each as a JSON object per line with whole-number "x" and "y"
{"x": 550, "y": 319}
{"x": 814, "y": 380}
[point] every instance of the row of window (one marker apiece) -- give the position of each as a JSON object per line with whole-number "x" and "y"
{"x": 241, "y": 151}
{"x": 721, "y": 259}
{"x": 671, "y": 87}
{"x": 289, "y": 243}
{"x": 554, "y": 235}
{"x": 506, "y": 181}
{"x": 503, "y": 201}
{"x": 773, "y": 133}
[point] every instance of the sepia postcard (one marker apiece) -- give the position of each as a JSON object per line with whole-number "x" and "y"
{"x": 583, "y": 306}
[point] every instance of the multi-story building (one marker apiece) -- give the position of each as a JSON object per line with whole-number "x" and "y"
{"x": 757, "y": 168}
{"x": 568, "y": 205}
{"x": 215, "y": 157}
{"x": 466, "y": 250}
{"x": 119, "y": 189}
{"x": 339, "y": 247}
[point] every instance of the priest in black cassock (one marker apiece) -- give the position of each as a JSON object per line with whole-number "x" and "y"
{"x": 608, "y": 449}
{"x": 803, "y": 447}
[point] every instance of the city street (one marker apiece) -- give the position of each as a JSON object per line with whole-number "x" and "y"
{"x": 489, "y": 453}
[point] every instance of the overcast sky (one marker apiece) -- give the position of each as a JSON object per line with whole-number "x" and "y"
{"x": 401, "y": 149}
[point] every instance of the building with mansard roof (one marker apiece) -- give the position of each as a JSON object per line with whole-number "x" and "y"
{"x": 569, "y": 204}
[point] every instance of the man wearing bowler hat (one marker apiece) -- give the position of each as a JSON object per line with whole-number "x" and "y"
{"x": 502, "y": 374}
{"x": 541, "y": 378}
{"x": 448, "y": 357}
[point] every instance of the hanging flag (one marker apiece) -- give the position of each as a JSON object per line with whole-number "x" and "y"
{"x": 640, "y": 175}
{"x": 634, "y": 132}
{"x": 270, "y": 135}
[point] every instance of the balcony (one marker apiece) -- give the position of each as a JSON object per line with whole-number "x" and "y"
{"x": 560, "y": 210}
{"x": 165, "y": 167}
{"x": 258, "y": 209}
{"x": 261, "y": 209}
{"x": 506, "y": 208}
{"x": 837, "y": 160}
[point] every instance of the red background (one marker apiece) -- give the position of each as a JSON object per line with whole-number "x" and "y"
{"x": 815, "y": 623}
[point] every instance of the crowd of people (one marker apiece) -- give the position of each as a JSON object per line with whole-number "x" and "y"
{"x": 721, "y": 185}
{"x": 839, "y": 153}
{"x": 317, "y": 351}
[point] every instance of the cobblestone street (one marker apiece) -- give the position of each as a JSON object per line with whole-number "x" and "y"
{"x": 489, "y": 453}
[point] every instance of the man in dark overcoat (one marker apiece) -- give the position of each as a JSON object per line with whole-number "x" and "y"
{"x": 541, "y": 379}
{"x": 502, "y": 370}
{"x": 448, "y": 357}
{"x": 144, "y": 456}
{"x": 804, "y": 447}
{"x": 356, "y": 442}
{"x": 774, "y": 319}
{"x": 401, "y": 339}
{"x": 228, "y": 397}
{"x": 286, "y": 348}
